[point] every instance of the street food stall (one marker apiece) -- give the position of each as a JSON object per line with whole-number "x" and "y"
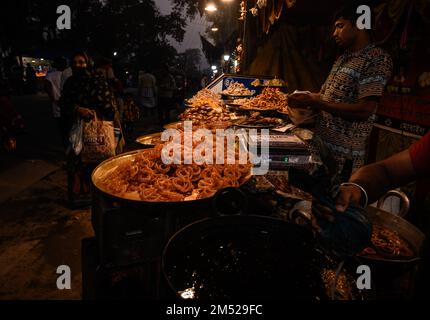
{"x": 216, "y": 229}
{"x": 275, "y": 181}
{"x": 278, "y": 40}
{"x": 199, "y": 230}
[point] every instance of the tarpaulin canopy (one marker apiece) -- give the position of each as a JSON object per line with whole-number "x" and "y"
{"x": 212, "y": 52}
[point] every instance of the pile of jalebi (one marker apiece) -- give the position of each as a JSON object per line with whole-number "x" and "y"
{"x": 206, "y": 114}
{"x": 237, "y": 89}
{"x": 269, "y": 99}
{"x": 387, "y": 244}
{"x": 205, "y": 97}
{"x": 147, "y": 178}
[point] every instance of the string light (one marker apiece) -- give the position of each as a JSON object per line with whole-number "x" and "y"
{"x": 211, "y": 7}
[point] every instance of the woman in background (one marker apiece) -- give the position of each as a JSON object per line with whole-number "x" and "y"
{"x": 84, "y": 95}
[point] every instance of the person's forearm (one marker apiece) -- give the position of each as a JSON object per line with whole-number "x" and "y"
{"x": 354, "y": 111}
{"x": 380, "y": 177}
{"x": 375, "y": 179}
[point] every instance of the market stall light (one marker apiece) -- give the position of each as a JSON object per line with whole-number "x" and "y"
{"x": 211, "y": 7}
{"x": 213, "y": 67}
{"x": 235, "y": 63}
{"x": 214, "y": 29}
{"x": 226, "y": 57}
{"x": 188, "y": 293}
{"x": 41, "y": 59}
{"x": 227, "y": 0}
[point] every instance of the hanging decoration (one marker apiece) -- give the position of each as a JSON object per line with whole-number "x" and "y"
{"x": 242, "y": 10}
{"x": 254, "y": 11}
{"x": 290, "y": 3}
{"x": 261, "y": 4}
{"x": 269, "y": 11}
{"x": 238, "y": 54}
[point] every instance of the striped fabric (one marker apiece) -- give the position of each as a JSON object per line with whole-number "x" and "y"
{"x": 354, "y": 76}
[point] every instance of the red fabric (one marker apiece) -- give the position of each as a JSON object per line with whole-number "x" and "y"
{"x": 420, "y": 156}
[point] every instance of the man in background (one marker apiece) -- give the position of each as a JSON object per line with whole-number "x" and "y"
{"x": 30, "y": 76}
{"x": 166, "y": 90}
{"x": 147, "y": 91}
{"x": 52, "y": 85}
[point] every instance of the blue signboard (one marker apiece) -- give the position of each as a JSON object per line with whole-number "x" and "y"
{"x": 245, "y": 80}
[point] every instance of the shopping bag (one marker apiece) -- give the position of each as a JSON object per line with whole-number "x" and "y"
{"x": 98, "y": 141}
{"x": 75, "y": 137}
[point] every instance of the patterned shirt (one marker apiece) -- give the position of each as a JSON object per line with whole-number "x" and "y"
{"x": 87, "y": 91}
{"x": 354, "y": 76}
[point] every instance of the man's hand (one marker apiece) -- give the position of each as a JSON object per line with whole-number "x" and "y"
{"x": 304, "y": 100}
{"x": 321, "y": 212}
{"x": 347, "y": 195}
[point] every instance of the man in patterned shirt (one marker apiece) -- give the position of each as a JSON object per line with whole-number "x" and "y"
{"x": 349, "y": 97}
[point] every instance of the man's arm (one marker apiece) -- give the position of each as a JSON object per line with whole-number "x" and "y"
{"x": 361, "y": 110}
{"x": 370, "y": 88}
{"x": 377, "y": 179}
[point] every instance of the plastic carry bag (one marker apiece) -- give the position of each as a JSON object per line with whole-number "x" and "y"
{"x": 75, "y": 137}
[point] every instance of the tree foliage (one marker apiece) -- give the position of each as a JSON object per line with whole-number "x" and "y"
{"x": 189, "y": 61}
{"x": 134, "y": 28}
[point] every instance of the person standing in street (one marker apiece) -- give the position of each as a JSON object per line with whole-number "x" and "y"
{"x": 52, "y": 85}
{"x": 67, "y": 73}
{"x": 204, "y": 81}
{"x": 104, "y": 69}
{"x": 11, "y": 122}
{"x": 147, "y": 92}
{"x": 17, "y": 79}
{"x": 30, "y": 75}
{"x": 85, "y": 94}
{"x": 166, "y": 90}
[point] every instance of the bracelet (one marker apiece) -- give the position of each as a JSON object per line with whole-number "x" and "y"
{"x": 362, "y": 190}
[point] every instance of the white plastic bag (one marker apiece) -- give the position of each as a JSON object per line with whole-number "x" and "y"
{"x": 75, "y": 136}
